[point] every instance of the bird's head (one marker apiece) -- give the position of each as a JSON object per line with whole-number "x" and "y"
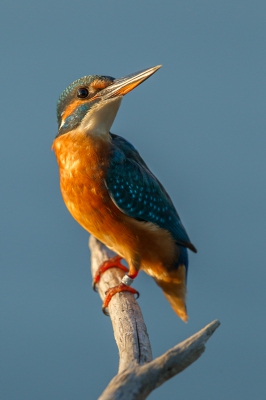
{"x": 91, "y": 103}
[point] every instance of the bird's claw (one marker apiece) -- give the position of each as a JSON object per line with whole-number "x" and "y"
{"x": 117, "y": 289}
{"x": 105, "y": 311}
{"x": 114, "y": 262}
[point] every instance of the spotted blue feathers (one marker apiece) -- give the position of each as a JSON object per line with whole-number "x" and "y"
{"x": 137, "y": 192}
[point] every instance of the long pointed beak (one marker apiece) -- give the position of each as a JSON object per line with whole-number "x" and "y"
{"x": 122, "y": 86}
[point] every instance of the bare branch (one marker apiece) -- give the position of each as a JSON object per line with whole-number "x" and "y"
{"x": 137, "y": 382}
{"x": 129, "y": 328}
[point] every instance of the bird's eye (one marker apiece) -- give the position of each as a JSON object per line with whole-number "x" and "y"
{"x": 82, "y": 93}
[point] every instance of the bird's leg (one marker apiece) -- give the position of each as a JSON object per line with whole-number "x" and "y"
{"x": 114, "y": 262}
{"x": 124, "y": 286}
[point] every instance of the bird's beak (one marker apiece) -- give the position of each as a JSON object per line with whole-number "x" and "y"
{"x": 122, "y": 86}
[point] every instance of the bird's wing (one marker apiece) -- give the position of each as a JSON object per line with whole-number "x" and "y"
{"x": 137, "y": 192}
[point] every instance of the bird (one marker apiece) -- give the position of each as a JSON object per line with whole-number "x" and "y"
{"x": 111, "y": 192}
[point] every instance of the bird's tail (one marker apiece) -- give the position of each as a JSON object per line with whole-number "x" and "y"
{"x": 174, "y": 289}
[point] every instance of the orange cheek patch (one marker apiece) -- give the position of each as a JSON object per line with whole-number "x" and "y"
{"x": 71, "y": 108}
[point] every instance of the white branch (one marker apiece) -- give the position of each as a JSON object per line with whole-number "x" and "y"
{"x": 138, "y": 375}
{"x": 129, "y": 328}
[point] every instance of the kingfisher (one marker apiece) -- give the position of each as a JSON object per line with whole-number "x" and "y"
{"x": 111, "y": 192}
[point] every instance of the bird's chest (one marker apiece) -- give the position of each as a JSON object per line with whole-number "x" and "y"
{"x": 82, "y": 170}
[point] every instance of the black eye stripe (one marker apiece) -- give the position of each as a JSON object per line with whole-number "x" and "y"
{"x": 82, "y": 93}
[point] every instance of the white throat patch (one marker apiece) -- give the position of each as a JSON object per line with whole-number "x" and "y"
{"x": 100, "y": 118}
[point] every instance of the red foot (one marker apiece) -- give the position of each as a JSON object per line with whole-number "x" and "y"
{"x": 114, "y": 262}
{"x": 116, "y": 289}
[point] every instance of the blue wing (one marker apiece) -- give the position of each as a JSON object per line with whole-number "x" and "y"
{"x": 137, "y": 192}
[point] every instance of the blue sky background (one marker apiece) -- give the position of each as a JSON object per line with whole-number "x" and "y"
{"x": 199, "y": 123}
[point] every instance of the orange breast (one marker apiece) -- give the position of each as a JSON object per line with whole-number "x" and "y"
{"x": 82, "y": 164}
